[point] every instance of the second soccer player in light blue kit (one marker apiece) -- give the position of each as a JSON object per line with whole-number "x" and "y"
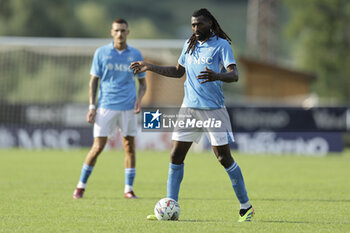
{"x": 117, "y": 104}
{"x": 208, "y": 61}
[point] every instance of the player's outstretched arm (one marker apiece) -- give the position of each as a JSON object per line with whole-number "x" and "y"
{"x": 208, "y": 75}
{"x": 169, "y": 71}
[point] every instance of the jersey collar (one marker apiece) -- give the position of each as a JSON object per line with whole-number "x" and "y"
{"x": 118, "y": 51}
{"x": 209, "y": 39}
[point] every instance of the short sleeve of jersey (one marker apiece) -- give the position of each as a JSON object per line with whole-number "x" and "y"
{"x": 182, "y": 57}
{"x": 226, "y": 54}
{"x": 96, "y": 69}
{"x": 140, "y": 58}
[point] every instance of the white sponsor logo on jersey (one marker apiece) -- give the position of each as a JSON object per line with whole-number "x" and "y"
{"x": 200, "y": 60}
{"x": 118, "y": 67}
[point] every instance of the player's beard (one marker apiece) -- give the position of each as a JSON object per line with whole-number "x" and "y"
{"x": 201, "y": 36}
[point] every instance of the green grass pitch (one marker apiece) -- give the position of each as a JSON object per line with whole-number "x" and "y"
{"x": 289, "y": 193}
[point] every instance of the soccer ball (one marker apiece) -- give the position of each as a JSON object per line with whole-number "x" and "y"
{"x": 167, "y": 209}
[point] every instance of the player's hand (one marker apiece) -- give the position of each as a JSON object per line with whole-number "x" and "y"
{"x": 139, "y": 66}
{"x": 208, "y": 75}
{"x": 137, "y": 107}
{"x": 90, "y": 117}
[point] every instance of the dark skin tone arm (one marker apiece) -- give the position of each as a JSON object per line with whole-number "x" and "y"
{"x": 178, "y": 71}
{"x": 170, "y": 71}
{"x": 209, "y": 76}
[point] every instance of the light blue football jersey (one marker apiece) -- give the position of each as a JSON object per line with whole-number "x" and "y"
{"x": 117, "y": 83}
{"x": 216, "y": 54}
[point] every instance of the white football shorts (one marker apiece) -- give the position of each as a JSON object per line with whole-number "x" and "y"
{"x": 216, "y": 136}
{"x": 106, "y": 121}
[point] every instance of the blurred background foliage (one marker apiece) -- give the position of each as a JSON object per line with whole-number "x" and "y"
{"x": 314, "y": 35}
{"x": 319, "y": 31}
{"x": 147, "y": 18}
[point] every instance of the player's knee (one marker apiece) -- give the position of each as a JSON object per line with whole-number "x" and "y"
{"x": 225, "y": 160}
{"x": 175, "y": 158}
{"x": 129, "y": 147}
{"x": 179, "y": 151}
{"x": 98, "y": 148}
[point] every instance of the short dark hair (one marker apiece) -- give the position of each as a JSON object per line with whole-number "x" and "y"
{"x": 120, "y": 21}
{"x": 216, "y": 29}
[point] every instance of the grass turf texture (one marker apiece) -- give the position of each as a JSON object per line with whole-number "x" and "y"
{"x": 289, "y": 193}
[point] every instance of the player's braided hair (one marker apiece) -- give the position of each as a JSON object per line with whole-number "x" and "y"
{"x": 215, "y": 28}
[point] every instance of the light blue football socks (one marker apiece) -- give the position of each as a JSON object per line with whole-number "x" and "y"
{"x": 86, "y": 171}
{"x": 176, "y": 173}
{"x": 235, "y": 174}
{"x": 129, "y": 179}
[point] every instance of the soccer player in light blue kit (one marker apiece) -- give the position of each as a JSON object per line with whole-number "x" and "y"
{"x": 117, "y": 103}
{"x": 208, "y": 61}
